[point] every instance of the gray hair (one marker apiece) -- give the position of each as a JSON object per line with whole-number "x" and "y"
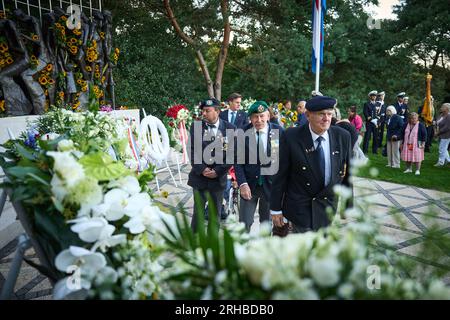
{"x": 446, "y": 106}
{"x": 392, "y": 109}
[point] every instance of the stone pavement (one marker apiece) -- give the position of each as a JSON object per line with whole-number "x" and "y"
{"x": 402, "y": 211}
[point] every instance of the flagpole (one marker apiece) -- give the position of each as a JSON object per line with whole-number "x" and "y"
{"x": 317, "y": 45}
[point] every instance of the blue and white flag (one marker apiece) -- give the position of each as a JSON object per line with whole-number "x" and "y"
{"x": 319, "y": 10}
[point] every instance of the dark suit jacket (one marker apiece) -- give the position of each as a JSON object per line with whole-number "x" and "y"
{"x": 250, "y": 172}
{"x": 395, "y": 127}
{"x": 196, "y": 179}
{"x": 297, "y": 188}
{"x": 302, "y": 120}
{"x": 382, "y": 112}
{"x": 369, "y": 111}
{"x": 241, "y": 118}
{"x": 402, "y": 109}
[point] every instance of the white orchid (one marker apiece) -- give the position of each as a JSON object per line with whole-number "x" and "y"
{"x": 129, "y": 184}
{"x": 136, "y": 203}
{"x": 148, "y": 218}
{"x": 86, "y": 262}
{"x": 114, "y": 204}
{"x": 91, "y": 229}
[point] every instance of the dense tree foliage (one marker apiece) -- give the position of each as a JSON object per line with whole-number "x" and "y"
{"x": 269, "y": 56}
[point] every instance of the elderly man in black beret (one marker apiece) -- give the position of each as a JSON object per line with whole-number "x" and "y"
{"x": 210, "y": 142}
{"x": 261, "y": 140}
{"x": 313, "y": 159}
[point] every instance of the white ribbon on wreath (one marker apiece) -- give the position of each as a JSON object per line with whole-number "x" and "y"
{"x": 155, "y": 138}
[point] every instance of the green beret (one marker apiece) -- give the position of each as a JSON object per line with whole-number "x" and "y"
{"x": 258, "y": 107}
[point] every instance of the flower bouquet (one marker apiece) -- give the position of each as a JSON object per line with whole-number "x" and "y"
{"x": 93, "y": 217}
{"x": 287, "y": 117}
{"x": 177, "y": 121}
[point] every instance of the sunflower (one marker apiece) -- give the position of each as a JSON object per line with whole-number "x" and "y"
{"x": 84, "y": 89}
{"x": 58, "y": 25}
{"x": 9, "y": 60}
{"x": 280, "y": 106}
{"x": 43, "y": 80}
{"x": 3, "y": 47}
{"x": 103, "y": 79}
{"x": 61, "y": 94}
{"x": 283, "y": 120}
{"x": 117, "y": 50}
{"x": 33, "y": 58}
{"x": 35, "y": 37}
{"x": 64, "y": 18}
{"x": 88, "y": 68}
{"x": 2, "y": 105}
{"x": 79, "y": 81}
{"x": 97, "y": 75}
{"x": 102, "y": 35}
{"x": 49, "y": 67}
{"x": 73, "y": 49}
{"x": 294, "y": 118}
{"x": 51, "y": 81}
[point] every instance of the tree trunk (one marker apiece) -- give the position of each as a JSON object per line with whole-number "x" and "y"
{"x": 204, "y": 67}
{"x": 214, "y": 88}
{"x": 223, "y": 50}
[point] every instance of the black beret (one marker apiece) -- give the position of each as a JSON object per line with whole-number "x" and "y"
{"x": 211, "y": 102}
{"x": 319, "y": 103}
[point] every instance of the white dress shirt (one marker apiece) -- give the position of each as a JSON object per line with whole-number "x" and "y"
{"x": 216, "y": 128}
{"x": 230, "y": 115}
{"x": 262, "y": 136}
{"x": 326, "y": 152}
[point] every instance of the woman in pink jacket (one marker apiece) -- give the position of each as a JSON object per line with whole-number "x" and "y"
{"x": 355, "y": 119}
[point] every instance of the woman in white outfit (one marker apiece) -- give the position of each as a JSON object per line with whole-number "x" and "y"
{"x": 394, "y": 130}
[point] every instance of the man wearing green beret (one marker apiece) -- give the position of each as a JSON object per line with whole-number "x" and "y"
{"x": 260, "y": 140}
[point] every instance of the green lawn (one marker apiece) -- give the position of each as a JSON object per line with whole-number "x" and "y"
{"x": 430, "y": 177}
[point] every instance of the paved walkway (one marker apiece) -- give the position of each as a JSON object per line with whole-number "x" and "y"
{"x": 402, "y": 211}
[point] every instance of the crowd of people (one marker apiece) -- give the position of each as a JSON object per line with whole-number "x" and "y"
{"x": 313, "y": 150}
{"x": 310, "y": 159}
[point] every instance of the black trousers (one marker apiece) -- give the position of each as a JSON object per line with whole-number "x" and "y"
{"x": 381, "y": 134}
{"x": 371, "y": 132}
{"x": 200, "y": 204}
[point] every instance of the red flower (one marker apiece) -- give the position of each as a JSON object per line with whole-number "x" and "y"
{"x": 172, "y": 112}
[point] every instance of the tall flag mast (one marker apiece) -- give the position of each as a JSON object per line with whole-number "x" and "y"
{"x": 319, "y": 10}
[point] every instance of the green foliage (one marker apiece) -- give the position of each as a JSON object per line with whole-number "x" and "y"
{"x": 102, "y": 167}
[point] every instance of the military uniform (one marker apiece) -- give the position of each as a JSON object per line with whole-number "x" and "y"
{"x": 299, "y": 190}
{"x": 370, "y": 115}
{"x": 401, "y": 108}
